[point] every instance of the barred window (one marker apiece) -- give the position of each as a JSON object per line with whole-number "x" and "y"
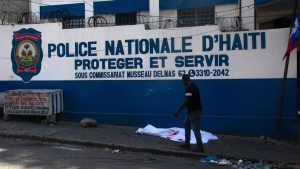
{"x": 73, "y": 22}
{"x": 196, "y": 16}
{"x": 126, "y": 19}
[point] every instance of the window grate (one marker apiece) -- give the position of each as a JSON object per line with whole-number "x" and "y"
{"x": 126, "y": 19}
{"x": 73, "y": 22}
{"x": 196, "y": 16}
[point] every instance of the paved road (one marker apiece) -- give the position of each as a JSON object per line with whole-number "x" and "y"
{"x": 21, "y": 154}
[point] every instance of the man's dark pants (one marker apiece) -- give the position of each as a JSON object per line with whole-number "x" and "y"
{"x": 192, "y": 121}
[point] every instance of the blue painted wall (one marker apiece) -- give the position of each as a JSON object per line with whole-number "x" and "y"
{"x": 257, "y": 2}
{"x": 73, "y": 9}
{"x": 180, "y": 4}
{"x": 125, "y": 6}
{"x": 242, "y": 107}
{"x": 120, "y": 6}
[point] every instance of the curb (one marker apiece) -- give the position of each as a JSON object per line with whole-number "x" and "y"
{"x": 105, "y": 145}
{"x": 125, "y": 147}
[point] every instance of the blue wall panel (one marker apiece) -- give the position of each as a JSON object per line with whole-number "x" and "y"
{"x": 242, "y": 107}
{"x": 120, "y": 6}
{"x": 126, "y": 6}
{"x": 257, "y": 2}
{"x": 175, "y": 4}
{"x": 73, "y": 9}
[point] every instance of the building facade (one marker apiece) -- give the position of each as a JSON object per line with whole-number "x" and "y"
{"x": 124, "y": 61}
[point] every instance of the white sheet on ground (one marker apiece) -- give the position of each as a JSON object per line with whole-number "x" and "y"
{"x": 175, "y": 134}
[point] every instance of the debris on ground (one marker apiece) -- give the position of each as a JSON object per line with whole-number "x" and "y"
{"x": 88, "y": 122}
{"x": 237, "y": 164}
{"x": 115, "y": 151}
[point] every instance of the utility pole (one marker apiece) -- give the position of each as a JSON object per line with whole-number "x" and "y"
{"x": 284, "y": 80}
{"x": 240, "y": 15}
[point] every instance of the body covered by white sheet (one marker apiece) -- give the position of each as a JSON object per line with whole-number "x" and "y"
{"x": 175, "y": 134}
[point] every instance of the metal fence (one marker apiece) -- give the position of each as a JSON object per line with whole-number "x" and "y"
{"x": 228, "y": 24}
{"x": 7, "y": 18}
{"x": 150, "y": 22}
{"x": 19, "y": 18}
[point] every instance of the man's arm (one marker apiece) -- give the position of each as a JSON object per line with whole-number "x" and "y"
{"x": 182, "y": 106}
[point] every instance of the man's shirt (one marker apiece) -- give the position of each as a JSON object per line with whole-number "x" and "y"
{"x": 192, "y": 91}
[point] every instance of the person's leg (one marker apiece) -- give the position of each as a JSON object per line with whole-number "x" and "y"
{"x": 187, "y": 128}
{"x": 195, "y": 122}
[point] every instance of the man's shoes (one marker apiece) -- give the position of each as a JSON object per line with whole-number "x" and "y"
{"x": 185, "y": 146}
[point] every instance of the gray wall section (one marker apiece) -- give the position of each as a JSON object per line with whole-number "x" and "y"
{"x": 11, "y": 11}
{"x": 14, "y": 6}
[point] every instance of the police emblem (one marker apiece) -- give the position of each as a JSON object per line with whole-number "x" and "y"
{"x": 27, "y": 54}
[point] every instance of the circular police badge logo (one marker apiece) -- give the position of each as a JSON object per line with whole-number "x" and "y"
{"x": 26, "y": 53}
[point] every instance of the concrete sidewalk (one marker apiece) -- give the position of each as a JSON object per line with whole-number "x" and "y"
{"x": 125, "y": 138}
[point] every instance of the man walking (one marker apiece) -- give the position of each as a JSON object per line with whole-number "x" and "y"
{"x": 192, "y": 102}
